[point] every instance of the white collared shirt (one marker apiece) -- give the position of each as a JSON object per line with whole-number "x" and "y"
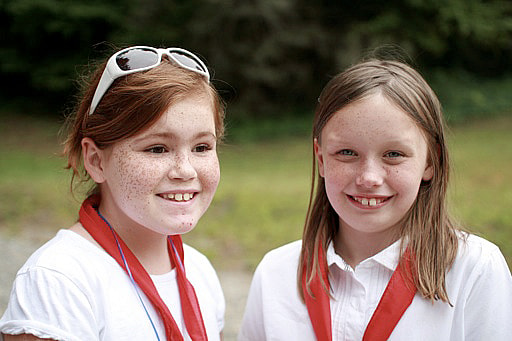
{"x": 357, "y": 292}
{"x": 479, "y": 286}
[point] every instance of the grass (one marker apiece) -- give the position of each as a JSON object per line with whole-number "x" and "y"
{"x": 264, "y": 189}
{"x": 481, "y": 191}
{"x": 260, "y": 203}
{"x": 32, "y": 179}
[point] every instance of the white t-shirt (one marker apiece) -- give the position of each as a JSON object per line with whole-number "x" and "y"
{"x": 479, "y": 286}
{"x": 70, "y": 289}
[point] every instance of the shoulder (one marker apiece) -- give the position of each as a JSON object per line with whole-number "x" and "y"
{"x": 57, "y": 286}
{"x": 194, "y": 254}
{"x": 200, "y": 271}
{"x": 66, "y": 266}
{"x": 478, "y": 284}
{"x": 478, "y": 261}
{"x": 207, "y": 286}
{"x": 62, "y": 252}
{"x": 196, "y": 261}
{"x": 474, "y": 250}
{"x": 66, "y": 252}
{"x": 274, "y": 308}
{"x": 283, "y": 255}
{"x": 476, "y": 242}
{"x": 67, "y": 260}
{"x": 280, "y": 264}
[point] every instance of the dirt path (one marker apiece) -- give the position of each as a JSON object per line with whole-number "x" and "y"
{"x": 14, "y": 252}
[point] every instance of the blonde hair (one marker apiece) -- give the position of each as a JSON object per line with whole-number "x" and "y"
{"x": 132, "y": 104}
{"x": 426, "y": 228}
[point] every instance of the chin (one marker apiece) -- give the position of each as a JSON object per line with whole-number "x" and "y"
{"x": 182, "y": 227}
{"x": 182, "y": 230}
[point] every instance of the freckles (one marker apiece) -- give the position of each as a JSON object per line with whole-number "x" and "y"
{"x": 133, "y": 176}
{"x": 210, "y": 171}
{"x": 392, "y": 173}
{"x": 211, "y": 181}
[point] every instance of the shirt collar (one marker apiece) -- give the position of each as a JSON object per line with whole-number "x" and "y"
{"x": 387, "y": 257}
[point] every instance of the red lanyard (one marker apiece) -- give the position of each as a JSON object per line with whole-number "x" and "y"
{"x": 394, "y": 302}
{"x": 100, "y": 231}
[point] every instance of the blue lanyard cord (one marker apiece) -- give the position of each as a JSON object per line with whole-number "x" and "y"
{"x": 177, "y": 255}
{"x": 130, "y": 274}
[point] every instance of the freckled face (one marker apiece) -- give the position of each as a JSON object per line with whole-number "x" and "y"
{"x": 164, "y": 178}
{"x": 373, "y": 158}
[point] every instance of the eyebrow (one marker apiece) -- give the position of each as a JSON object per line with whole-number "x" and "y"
{"x": 403, "y": 142}
{"x": 169, "y": 135}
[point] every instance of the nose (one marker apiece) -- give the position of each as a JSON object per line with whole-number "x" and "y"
{"x": 370, "y": 174}
{"x": 181, "y": 168}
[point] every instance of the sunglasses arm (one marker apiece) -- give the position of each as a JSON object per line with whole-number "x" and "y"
{"x": 105, "y": 82}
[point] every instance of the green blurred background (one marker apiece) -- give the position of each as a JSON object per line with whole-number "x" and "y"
{"x": 270, "y": 59}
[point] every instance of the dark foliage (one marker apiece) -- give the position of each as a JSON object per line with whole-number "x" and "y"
{"x": 268, "y": 56}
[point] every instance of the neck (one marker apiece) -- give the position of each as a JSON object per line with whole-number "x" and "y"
{"x": 356, "y": 246}
{"x": 148, "y": 246}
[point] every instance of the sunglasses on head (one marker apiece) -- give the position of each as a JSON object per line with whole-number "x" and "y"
{"x": 142, "y": 58}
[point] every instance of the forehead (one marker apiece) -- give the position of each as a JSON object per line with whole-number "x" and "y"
{"x": 373, "y": 116}
{"x": 193, "y": 110}
{"x": 187, "y": 117}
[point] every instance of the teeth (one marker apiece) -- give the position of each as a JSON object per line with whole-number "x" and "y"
{"x": 179, "y": 196}
{"x": 368, "y": 201}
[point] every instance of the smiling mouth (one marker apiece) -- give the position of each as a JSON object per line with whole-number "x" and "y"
{"x": 370, "y": 202}
{"x": 178, "y": 197}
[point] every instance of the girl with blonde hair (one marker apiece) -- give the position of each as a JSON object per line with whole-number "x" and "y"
{"x": 380, "y": 257}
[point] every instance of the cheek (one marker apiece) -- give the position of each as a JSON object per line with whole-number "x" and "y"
{"x": 405, "y": 180}
{"x": 214, "y": 173}
{"x": 211, "y": 173}
{"x": 135, "y": 175}
{"x": 336, "y": 179}
{"x": 393, "y": 174}
{"x": 337, "y": 174}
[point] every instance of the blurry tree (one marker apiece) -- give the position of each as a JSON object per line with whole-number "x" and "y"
{"x": 472, "y": 34}
{"x": 282, "y": 52}
{"x": 272, "y": 55}
{"x": 43, "y": 41}
{"x": 268, "y": 51}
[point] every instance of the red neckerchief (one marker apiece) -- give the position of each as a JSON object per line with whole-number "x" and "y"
{"x": 394, "y": 302}
{"x": 100, "y": 231}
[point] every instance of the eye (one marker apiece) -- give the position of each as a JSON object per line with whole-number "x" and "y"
{"x": 156, "y": 150}
{"x": 202, "y": 148}
{"x": 394, "y": 154}
{"x": 347, "y": 152}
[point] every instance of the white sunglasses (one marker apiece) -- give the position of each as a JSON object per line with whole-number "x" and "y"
{"x": 142, "y": 58}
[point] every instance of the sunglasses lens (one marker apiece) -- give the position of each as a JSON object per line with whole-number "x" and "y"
{"x": 138, "y": 58}
{"x": 187, "y": 61}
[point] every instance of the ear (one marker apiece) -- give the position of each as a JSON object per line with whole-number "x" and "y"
{"x": 319, "y": 157}
{"x": 93, "y": 159}
{"x": 428, "y": 174}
